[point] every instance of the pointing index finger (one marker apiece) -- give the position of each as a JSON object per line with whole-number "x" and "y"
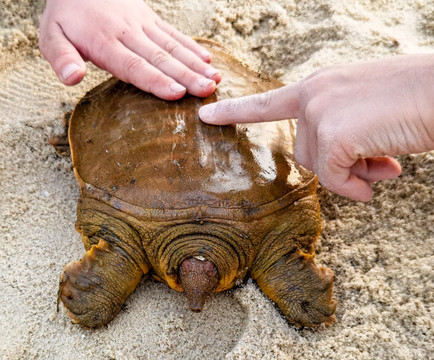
{"x": 272, "y": 105}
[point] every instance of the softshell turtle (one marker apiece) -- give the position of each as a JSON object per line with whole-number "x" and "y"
{"x": 199, "y": 207}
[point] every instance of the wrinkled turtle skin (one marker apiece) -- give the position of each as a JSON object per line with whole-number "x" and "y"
{"x": 199, "y": 207}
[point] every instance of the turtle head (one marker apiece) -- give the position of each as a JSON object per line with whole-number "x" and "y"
{"x": 198, "y": 277}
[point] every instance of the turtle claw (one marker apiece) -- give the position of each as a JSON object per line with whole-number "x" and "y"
{"x": 95, "y": 288}
{"x": 86, "y": 303}
{"x": 320, "y": 308}
{"x": 301, "y": 290}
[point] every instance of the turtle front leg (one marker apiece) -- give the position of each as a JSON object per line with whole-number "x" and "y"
{"x": 61, "y": 142}
{"x": 301, "y": 290}
{"x": 95, "y": 288}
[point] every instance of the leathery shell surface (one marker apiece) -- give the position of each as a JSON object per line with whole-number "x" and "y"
{"x": 150, "y": 157}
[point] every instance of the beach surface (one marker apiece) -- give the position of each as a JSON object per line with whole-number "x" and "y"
{"x": 382, "y": 252}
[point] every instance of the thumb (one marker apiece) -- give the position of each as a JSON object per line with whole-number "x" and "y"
{"x": 272, "y": 105}
{"x": 62, "y": 55}
{"x": 376, "y": 168}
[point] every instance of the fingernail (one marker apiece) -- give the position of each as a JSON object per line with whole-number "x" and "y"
{"x": 205, "y": 82}
{"x": 211, "y": 72}
{"x": 177, "y": 88}
{"x": 68, "y": 70}
{"x": 206, "y": 112}
{"x": 205, "y": 53}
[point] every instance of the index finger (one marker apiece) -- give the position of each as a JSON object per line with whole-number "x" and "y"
{"x": 272, "y": 105}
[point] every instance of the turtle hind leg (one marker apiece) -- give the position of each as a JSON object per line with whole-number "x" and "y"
{"x": 95, "y": 288}
{"x": 301, "y": 290}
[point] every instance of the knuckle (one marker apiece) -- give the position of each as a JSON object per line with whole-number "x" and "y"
{"x": 132, "y": 66}
{"x": 171, "y": 31}
{"x": 315, "y": 84}
{"x": 227, "y": 107}
{"x": 261, "y": 103}
{"x": 156, "y": 78}
{"x": 196, "y": 63}
{"x": 154, "y": 81}
{"x": 101, "y": 41}
{"x": 59, "y": 55}
{"x": 159, "y": 58}
{"x": 97, "y": 49}
{"x": 188, "y": 78}
{"x": 185, "y": 75}
{"x": 126, "y": 30}
{"x": 171, "y": 46}
{"x": 314, "y": 111}
{"x": 308, "y": 89}
{"x": 47, "y": 43}
{"x": 336, "y": 146}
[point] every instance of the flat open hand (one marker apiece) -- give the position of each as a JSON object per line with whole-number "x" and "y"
{"x": 130, "y": 41}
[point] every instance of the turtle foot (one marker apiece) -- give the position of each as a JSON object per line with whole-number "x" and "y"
{"x": 61, "y": 142}
{"x": 301, "y": 290}
{"x": 95, "y": 288}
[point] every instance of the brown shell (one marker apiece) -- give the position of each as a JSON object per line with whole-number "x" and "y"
{"x": 154, "y": 158}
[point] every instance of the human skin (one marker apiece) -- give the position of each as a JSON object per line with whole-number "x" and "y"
{"x": 351, "y": 118}
{"x": 130, "y": 41}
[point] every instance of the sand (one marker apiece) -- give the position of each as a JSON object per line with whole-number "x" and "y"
{"x": 381, "y": 251}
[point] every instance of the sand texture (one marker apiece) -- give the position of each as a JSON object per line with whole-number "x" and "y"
{"x": 382, "y": 252}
